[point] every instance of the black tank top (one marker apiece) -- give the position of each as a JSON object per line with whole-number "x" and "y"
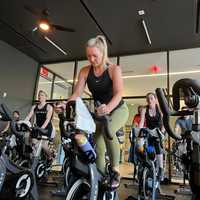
{"x": 101, "y": 87}
{"x": 153, "y": 121}
{"x": 41, "y": 114}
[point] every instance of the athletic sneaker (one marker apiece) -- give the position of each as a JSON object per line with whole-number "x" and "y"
{"x": 115, "y": 180}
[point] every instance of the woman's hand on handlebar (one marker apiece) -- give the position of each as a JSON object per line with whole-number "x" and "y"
{"x": 102, "y": 110}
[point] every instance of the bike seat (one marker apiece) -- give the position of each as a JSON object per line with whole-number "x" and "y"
{"x": 39, "y": 131}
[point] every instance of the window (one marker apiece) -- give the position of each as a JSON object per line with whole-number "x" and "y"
{"x": 184, "y": 64}
{"x": 139, "y": 77}
{"x": 45, "y": 82}
{"x": 62, "y": 90}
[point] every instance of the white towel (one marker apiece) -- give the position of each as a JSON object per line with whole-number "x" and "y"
{"x": 83, "y": 119}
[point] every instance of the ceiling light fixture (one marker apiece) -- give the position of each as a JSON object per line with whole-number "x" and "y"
{"x": 55, "y": 45}
{"x": 142, "y": 13}
{"x": 146, "y": 31}
{"x": 44, "y": 25}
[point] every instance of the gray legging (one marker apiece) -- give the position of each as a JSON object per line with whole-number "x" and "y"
{"x": 118, "y": 120}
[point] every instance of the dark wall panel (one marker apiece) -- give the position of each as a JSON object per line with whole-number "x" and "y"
{"x": 18, "y": 74}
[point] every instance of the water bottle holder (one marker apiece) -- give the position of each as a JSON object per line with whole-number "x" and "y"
{"x": 91, "y": 157}
{"x": 88, "y": 157}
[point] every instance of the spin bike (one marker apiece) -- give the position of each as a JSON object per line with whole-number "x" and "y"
{"x": 83, "y": 178}
{"x": 148, "y": 173}
{"x": 39, "y": 162}
{"x": 15, "y": 182}
{"x": 189, "y": 91}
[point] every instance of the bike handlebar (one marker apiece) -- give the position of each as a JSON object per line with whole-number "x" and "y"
{"x": 105, "y": 119}
{"x": 35, "y": 131}
{"x": 5, "y": 113}
{"x": 7, "y": 116}
{"x": 145, "y": 132}
{"x": 166, "y": 114}
{"x": 70, "y": 107}
{"x": 190, "y": 91}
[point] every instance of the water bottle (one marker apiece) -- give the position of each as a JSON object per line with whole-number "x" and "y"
{"x": 151, "y": 152}
{"x": 86, "y": 147}
{"x": 150, "y": 182}
{"x": 140, "y": 142}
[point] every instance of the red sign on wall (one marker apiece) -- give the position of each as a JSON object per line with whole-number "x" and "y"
{"x": 44, "y": 72}
{"x": 154, "y": 69}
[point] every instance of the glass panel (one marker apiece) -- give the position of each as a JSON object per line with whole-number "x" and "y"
{"x": 62, "y": 90}
{"x": 62, "y": 87}
{"x": 184, "y": 64}
{"x": 82, "y": 64}
{"x": 45, "y": 84}
{"x": 113, "y": 60}
{"x": 65, "y": 70}
{"x": 144, "y": 73}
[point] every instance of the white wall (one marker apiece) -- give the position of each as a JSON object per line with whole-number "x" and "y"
{"x": 18, "y": 74}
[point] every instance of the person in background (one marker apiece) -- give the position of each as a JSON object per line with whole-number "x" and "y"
{"x": 132, "y": 137}
{"x": 43, "y": 113}
{"x": 16, "y": 115}
{"x": 137, "y": 117}
{"x": 152, "y": 116}
{"x": 183, "y": 123}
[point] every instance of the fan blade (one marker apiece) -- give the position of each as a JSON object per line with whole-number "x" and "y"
{"x": 30, "y": 32}
{"x": 33, "y": 11}
{"x": 62, "y": 28}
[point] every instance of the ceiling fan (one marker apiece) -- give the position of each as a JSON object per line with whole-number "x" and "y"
{"x": 44, "y": 24}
